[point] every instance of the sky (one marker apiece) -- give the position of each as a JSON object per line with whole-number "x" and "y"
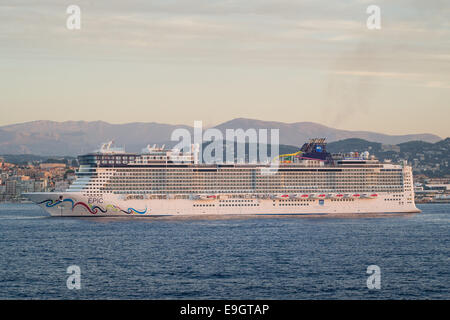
{"x": 176, "y": 61}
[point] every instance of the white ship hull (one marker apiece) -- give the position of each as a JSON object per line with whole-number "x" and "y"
{"x": 75, "y": 204}
{"x": 114, "y": 183}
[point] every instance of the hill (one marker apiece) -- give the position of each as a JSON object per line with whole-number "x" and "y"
{"x": 72, "y": 138}
{"x": 431, "y": 159}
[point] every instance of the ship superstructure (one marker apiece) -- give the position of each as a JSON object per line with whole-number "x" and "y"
{"x": 158, "y": 181}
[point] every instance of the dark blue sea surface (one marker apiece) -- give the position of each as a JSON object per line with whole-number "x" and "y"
{"x": 224, "y": 258}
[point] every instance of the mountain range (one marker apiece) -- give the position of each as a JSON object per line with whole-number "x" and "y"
{"x": 72, "y": 138}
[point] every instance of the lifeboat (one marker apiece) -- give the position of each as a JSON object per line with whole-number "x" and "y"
{"x": 282, "y": 196}
{"x": 373, "y": 196}
{"x": 321, "y": 196}
{"x": 356, "y": 195}
{"x": 302, "y": 196}
{"x": 207, "y": 196}
{"x": 339, "y": 196}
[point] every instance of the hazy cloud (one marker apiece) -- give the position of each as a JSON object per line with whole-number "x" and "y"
{"x": 314, "y": 57}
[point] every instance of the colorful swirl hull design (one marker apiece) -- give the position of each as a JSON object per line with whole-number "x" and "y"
{"x": 91, "y": 208}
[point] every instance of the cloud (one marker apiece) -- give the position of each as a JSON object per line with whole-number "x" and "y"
{"x": 401, "y": 78}
{"x": 437, "y": 84}
{"x": 252, "y": 29}
{"x": 378, "y": 74}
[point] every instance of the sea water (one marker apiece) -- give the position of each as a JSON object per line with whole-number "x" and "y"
{"x": 224, "y": 257}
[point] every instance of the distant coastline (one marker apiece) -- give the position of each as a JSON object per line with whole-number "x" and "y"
{"x": 72, "y": 138}
{"x": 429, "y": 161}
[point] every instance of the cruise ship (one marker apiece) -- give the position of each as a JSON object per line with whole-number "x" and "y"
{"x": 160, "y": 182}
